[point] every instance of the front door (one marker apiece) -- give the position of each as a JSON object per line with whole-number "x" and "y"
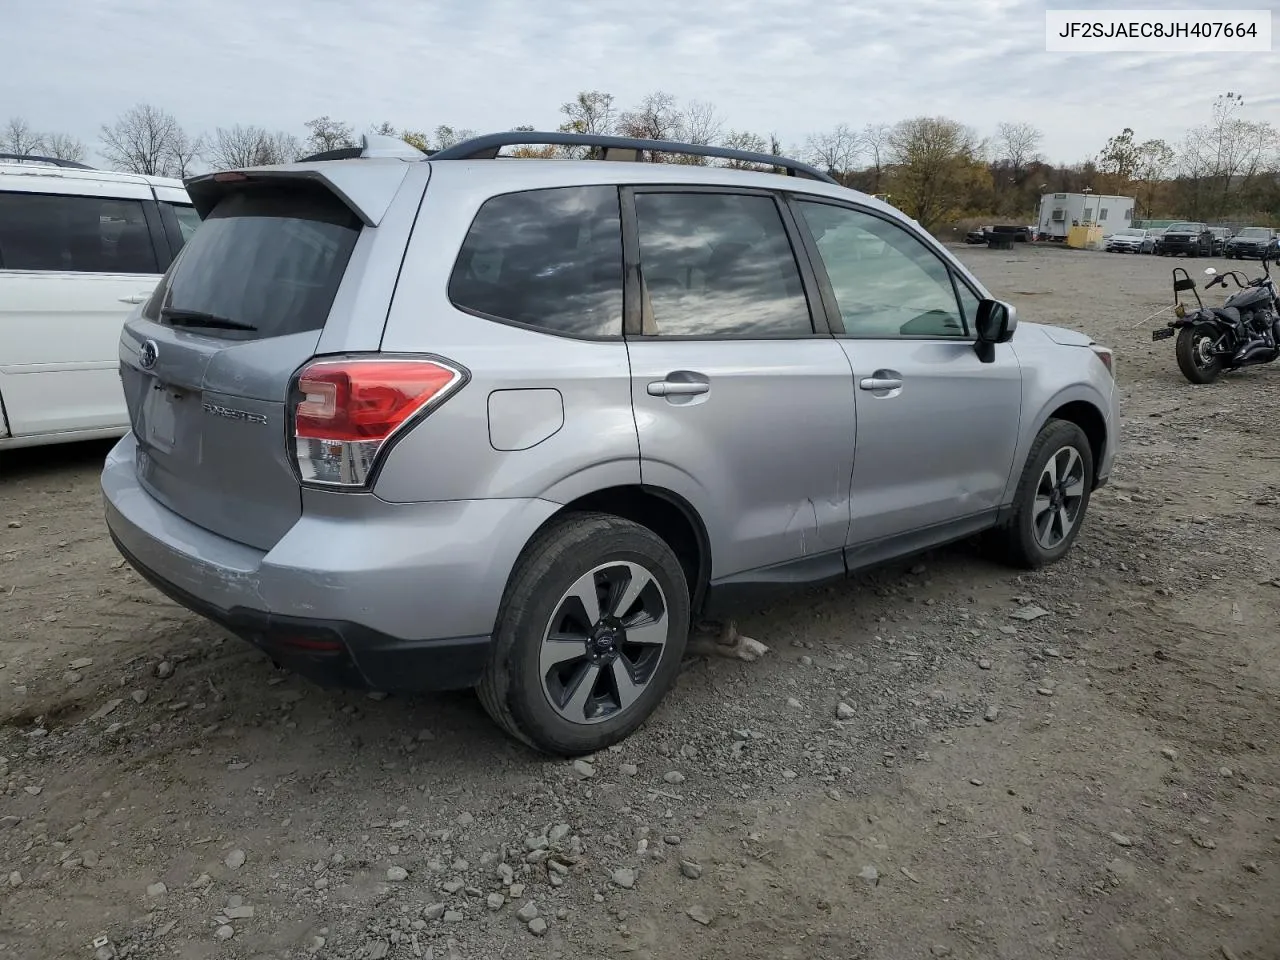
{"x": 742, "y": 407}
{"x": 937, "y": 428}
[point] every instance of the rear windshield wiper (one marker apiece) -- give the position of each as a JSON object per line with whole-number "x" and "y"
{"x": 198, "y": 318}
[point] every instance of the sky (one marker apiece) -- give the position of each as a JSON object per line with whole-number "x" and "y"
{"x": 790, "y": 67}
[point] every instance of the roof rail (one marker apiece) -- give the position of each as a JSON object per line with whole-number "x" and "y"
{"x": 371, "y": 145}
{"x": 31, "y": 157}
{"x": 486, "y": 148}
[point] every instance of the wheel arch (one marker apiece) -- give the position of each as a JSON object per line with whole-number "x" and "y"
{"x": 1091, "y": 420}
{"x": 667, "y": 514}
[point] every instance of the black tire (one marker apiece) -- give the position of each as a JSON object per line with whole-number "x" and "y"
{"x": 511, "y": 689}
{"x": 1015, "y": 541}
{"x": 1190, "y": 361}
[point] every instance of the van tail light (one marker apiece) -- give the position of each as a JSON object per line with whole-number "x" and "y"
{"x": 1105, "y": 355}
{"x": 351, "y": 408}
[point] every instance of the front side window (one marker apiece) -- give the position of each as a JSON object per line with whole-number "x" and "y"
{"x": 551, "y": 259}
{"x": 718, "y": 265}
{"x": 887, "y": 283}
{"x": 68, "y": 234}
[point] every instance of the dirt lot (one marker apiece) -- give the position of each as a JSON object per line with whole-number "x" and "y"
{"x": 1099, "y": 782}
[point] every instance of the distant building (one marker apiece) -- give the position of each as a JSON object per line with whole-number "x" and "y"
{"x": 1060, "y": 211}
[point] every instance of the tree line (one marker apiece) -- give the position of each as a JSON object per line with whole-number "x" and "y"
{"x": 935, "y": 169}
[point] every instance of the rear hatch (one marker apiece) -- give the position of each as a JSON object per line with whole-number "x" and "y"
{"x": 208, "y": 365}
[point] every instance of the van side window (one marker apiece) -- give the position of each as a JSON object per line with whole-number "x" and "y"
{"x": 69, "y": 234}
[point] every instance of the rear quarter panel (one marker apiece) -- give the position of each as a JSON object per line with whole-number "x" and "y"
{"x": 558, "y": 452}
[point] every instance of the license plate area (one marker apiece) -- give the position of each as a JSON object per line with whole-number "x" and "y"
{"x": 160, "y": 417}
{"x": 1164, "y": 333}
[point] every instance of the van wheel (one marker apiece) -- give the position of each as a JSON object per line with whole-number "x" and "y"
{"x": 1052, "y": 497}
{"x": 589, "y": 636}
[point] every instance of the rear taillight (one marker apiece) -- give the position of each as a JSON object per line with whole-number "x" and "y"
{"x": 351, "y": 408}
{"x": 1103, "y": 354}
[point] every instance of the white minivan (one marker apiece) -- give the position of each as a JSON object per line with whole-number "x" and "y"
{"x": 79, "y": 248}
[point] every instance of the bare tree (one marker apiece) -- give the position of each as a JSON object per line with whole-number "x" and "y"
{"x": 1018, "y": 144}
{"x": 141, "y": 140}
{"x": 383, "y": 129}
{"x": 1223, "y": 156}
{"x": 281, "y": 147}
{"x": 328, "y": 134}
{"x": 591, "y": 112}
{"x": 656, "y": 118}
{"x": 250, "y": 146}
{"x": 447, "y": 136}
{"x": 63, "y": 146}
{"x": 18, "y": 137}
{"x": 184, "y": 152}
{"x": 875, "y": 140}
{"x": 700, "y": 123}
{"x": 835, "y": 151}
{"x": 748, "y": 142}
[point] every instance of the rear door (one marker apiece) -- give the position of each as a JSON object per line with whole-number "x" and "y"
{"x": 937, "y": 428}
{"x": 72, "y": 267}
{"x": 743, "y": 403}
{"x": 207, "y": 367}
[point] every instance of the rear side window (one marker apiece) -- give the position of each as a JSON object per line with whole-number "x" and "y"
{"x": 188, "y": 219}
{"x": 717, "y": 265}
{"x": 266, "y": 262}
{"x": 66, "y": 234}
{"x": 551, "y": 259}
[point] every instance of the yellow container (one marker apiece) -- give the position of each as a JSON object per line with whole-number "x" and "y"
{"x": 1085, "y": 238}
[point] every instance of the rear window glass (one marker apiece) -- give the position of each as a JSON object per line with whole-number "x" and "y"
{"x": 266, "y": 262}
{"x": 551, "y": 259}
{"x": 66, "y": 234}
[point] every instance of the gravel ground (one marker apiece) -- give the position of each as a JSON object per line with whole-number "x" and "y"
{"x": 943, "y": 759}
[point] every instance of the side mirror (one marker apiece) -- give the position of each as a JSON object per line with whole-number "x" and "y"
{"x": 995, "y": 323}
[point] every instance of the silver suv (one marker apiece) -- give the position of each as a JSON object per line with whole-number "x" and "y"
{"x": 420, "y": 423}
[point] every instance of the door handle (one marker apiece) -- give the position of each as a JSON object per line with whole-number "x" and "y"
{"x": 136, "y": 298}
{"x": 881, "y": 383}
{"x": 677, "y": 388}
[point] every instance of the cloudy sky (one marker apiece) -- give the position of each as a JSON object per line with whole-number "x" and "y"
{"x": 786, "y": 66}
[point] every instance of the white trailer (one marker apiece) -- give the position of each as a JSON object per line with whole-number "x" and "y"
{"x": 1059, "y": 212}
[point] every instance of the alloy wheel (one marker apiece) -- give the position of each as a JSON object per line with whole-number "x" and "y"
{"x": 603, "y": 643}
{"x": 1059, "y": 494}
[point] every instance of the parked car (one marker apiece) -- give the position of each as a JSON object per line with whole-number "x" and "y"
{"x": 1126, "y": 240}
{"x": 1221, "y": 235}
{"x": 1185, "y": 237}
{"x": 977, "y": 236}
{"x": 1152, "y": 239}
{"x": 1250, "y": 243}
{"x": 78, "y": 249}
{"x": 1020, "y": 234}
{"x": 420, "y": 424}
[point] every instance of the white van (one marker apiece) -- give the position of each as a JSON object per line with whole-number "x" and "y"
{"x": 78, "y": 249}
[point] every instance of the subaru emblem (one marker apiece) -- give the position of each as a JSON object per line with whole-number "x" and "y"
{"x": 148, "y": 354}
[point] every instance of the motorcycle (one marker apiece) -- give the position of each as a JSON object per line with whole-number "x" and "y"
{"x": 1243, "y": 332}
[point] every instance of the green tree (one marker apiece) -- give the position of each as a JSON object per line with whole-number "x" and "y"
{"x": 326, "y": 134}
{"x": 936, "y": 168}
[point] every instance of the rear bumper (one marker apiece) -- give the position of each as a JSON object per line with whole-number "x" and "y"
{"x": 360, "y": 592}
